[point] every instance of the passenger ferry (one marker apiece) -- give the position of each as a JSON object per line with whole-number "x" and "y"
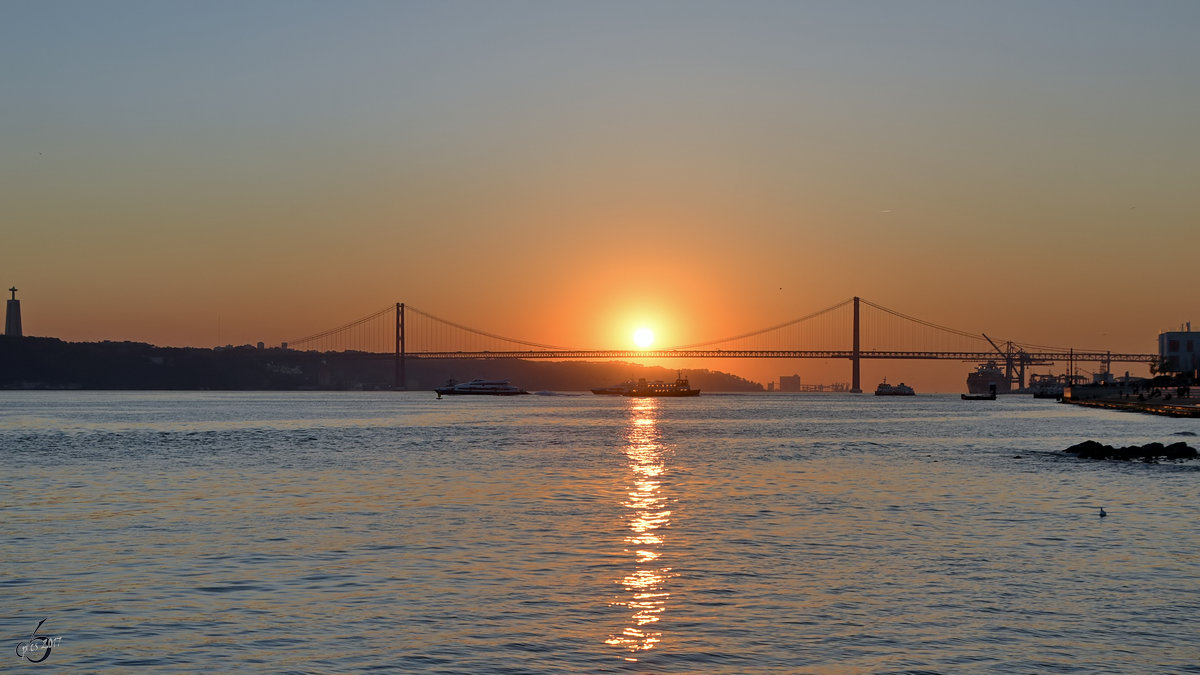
{"x": 885, "y": 389}
{"x": 681, "y": 387}
{"x": 616, "y": 389}
{"x": 479, "y": 387}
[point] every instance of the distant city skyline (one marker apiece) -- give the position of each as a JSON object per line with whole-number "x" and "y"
{"x": 188, "y": 174}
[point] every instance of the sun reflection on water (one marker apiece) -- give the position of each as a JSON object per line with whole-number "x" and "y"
{"x": 645, "y": 593}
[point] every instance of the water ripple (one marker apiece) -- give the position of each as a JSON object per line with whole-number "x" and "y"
{"x": 727, "y": 534}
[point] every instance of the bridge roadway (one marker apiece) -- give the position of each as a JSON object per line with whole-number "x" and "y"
{"x": 1028, "y": 357}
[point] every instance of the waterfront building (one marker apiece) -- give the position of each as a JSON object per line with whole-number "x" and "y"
{"x": 1177, "y": 350}
{"x": 790, "y": 383}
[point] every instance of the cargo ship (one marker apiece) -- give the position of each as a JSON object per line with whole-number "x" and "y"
{"x": 985, "y": 377}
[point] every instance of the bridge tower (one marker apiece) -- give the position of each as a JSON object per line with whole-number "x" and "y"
{"x": 401, "y": 378}
{"x": 12, "y": 318}
{"x": 855, "y": 383}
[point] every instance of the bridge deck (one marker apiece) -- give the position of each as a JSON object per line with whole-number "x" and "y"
{"x": 779, "y": 354}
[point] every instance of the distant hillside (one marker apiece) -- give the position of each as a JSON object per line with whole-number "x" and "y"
{"x": 49, "y": 363}
{"x": 566, "y": 375}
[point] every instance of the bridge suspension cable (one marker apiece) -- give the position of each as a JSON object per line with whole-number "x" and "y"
{"x": 881, "y": 329}
{"x": 379, "y": 332}
{"x": 888, "y": 330}
{"x": 922, "y": 322}
{"x": 771, "y": 329}
{"x": 361, "y": 331}
{"x": 434, "y": 322}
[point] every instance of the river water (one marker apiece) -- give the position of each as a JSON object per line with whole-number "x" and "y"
{"x": 752, "y": 533}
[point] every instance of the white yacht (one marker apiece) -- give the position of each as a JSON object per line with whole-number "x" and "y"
{"x": 479, "y": 387}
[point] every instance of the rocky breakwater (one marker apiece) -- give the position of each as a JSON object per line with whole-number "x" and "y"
{"x": 1151, "y": 452}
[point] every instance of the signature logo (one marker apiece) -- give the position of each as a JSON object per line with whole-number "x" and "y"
{"x": 37, "y": 649}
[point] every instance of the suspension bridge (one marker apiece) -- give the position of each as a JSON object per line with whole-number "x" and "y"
{"x": 854, "y": 329}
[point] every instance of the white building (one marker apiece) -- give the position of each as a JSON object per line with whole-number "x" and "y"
{"x": 1178, "y": 350}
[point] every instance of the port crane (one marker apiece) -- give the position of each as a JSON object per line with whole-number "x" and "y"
{"x": 1015, "y": 361}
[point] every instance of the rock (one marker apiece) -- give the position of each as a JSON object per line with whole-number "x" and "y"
{"x": 1180, "y": 450}
{"x": 1147, "y": 453}
{"x": 1090, "y": 450}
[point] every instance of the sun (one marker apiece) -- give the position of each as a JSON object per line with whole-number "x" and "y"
{"x": 643, "y": 338}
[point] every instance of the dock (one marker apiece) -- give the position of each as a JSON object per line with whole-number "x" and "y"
{"x": 1170, "y": 405}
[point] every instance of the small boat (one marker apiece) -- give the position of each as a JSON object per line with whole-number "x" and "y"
{"x": 885, "y": 389}
{"x": 479, "y": 387}
{"x": 1048, "y": 386}
{"x": 679, "y": 388}
{"x": 990, "y": 396}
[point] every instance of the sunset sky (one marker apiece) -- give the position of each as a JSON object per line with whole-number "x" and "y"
{"x": 210, "y": 172}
